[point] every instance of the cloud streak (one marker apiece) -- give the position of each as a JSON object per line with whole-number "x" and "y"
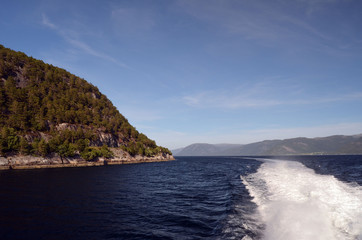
{"x": 244, "y": 99}
{"x": 286, "y": 25}
{"x": 226, "y": 100}
{"x": 72, "y": 37}
{"x": 254, "y": 20}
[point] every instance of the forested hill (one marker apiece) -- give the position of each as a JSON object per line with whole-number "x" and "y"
{"x": 47, "y": 110}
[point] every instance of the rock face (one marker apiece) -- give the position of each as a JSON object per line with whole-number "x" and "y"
{"x": 4, "y": 161}
{"x": 103, "y": 138}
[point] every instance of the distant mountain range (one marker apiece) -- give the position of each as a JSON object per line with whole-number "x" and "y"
{"x": 337, "y": 144}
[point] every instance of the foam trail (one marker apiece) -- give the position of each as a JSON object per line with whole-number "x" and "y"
{"x": 295, "y": 203}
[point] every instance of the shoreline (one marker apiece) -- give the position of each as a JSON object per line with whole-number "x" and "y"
{"x": 71, "y": 165}
{"x": 32, "y": 162}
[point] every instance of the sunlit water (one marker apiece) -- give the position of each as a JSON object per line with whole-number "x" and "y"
{"x": 309, "y": 197}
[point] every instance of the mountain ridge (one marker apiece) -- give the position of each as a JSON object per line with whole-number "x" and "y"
{"x": 335, "y": 144}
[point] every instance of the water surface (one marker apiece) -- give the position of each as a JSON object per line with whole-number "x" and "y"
{"x": 308, "y": 197}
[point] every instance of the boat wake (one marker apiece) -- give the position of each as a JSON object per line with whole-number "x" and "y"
{"x": 293, "y": 202}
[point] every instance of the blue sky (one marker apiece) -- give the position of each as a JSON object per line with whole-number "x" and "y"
{"x": 206, "y": 71}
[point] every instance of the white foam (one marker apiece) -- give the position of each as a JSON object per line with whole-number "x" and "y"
{"x": 295, "y": 203}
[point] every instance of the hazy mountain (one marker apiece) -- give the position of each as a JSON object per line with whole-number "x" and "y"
{"x": 327, "y": 145}
{"x": 205, "y": 149}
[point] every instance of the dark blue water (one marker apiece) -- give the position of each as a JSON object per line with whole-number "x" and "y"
{"x": 190, "y": 198}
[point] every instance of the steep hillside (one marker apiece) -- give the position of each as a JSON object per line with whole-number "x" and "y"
{"x": 327, "y": 145}
{"x": 47, "y": 111}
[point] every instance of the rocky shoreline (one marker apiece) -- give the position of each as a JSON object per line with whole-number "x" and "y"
{"x": 54, "y": 161}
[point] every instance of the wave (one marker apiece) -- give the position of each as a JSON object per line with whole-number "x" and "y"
{"x": 293, "y": 202}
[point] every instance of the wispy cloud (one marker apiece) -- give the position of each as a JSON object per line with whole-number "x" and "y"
{"x": 248, "y": 95}
{"x": 252, "y": 19}
{"x": 286, "y": 25}
{"x": 72, "y": 37}
{"x": 46, "y": 22}
{"x": 226, "y": 100}
{"x": 258, "y": 98}
{"x": 313, "y": 6}
{"x": 132, "y": 21}
{"x": 355, "y": 96}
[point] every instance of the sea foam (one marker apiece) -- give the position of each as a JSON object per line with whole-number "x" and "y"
{"x": 295, "y": 203}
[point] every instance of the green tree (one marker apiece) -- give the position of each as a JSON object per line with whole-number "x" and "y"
{"x": 24, "y": 146}
{"x": 43, "y": 148}
{"x": 82, "y": 144}
{"x": 106, "y": 152}
{"x": 9, "y": 141}
{"x": 90, "y": 153}
{"x": 66, "y": 149}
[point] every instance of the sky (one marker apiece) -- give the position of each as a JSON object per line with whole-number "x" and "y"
{"x": 206, "y": 71}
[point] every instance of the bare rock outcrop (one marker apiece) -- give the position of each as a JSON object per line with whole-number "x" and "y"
{"x": 103, "y": 138}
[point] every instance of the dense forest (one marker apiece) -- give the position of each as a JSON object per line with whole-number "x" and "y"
{"x": 46, "y": 110}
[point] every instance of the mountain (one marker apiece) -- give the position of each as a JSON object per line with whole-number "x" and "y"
{"x": 337, "y": 144}
{"x": 46, "y": 111}
{"x": 205, "y": 149}
{"x": 176, "y": 151}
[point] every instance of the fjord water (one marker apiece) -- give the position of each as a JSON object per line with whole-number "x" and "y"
{"x": 309, "y": 197}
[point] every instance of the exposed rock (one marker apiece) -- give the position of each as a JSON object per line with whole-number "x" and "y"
{"x": 4, "y": 161}
{"x": 31, "y": 136}
{"x": 66, "y": 126}
{"x": 21, "y": 81}
{"x": 103, "y": 138}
